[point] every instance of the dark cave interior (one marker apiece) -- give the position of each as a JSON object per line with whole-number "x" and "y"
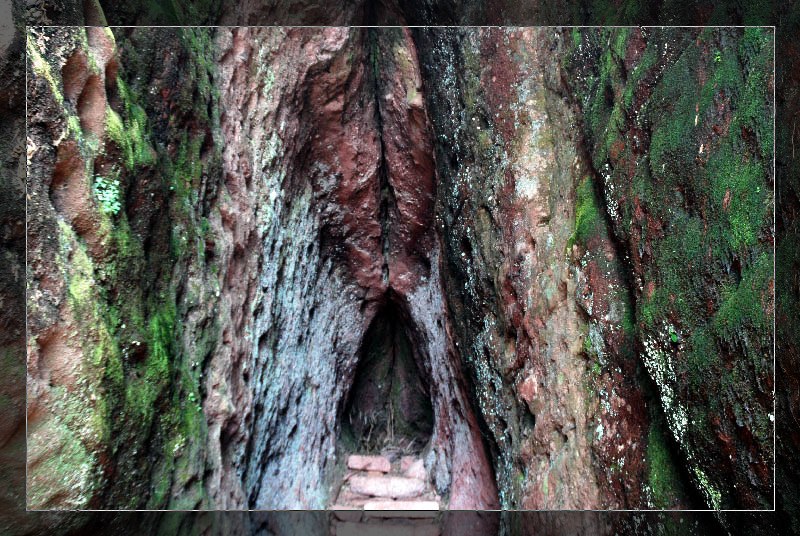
{"x": 389, "y": 404}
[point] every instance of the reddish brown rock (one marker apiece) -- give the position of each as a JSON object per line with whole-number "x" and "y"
{"x": 408, "y": 152}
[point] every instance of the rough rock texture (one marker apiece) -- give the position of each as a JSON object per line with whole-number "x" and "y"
{"x": 269, "y": 256}
{"x": 539, "y": 308}
{"x": 230, "y": 285}
{"x": 327, "y": 268}
{"x": 224, "y": 447}
{"x": 12, "y": 276}
{"x": 120, "y": 316}
{"x": 680, "y": 131}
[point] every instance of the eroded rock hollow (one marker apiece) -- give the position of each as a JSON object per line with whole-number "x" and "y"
{"x": 362, "y": 193}
{"x": 257, "y": 255}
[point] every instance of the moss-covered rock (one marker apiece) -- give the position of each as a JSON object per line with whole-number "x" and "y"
{"x": 680, "y": 131}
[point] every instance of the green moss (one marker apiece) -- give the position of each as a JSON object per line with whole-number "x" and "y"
{"x": 627, "y": 324}
{"x": 144, "y": 388}
{"x": 756, "y": 108}
{"x": 587, "y": 213}
{"x": 663, "y": 478}
{"x": 130, "y": 134}
{"x": 747, "y": 306}
{"x": 154, "y": 396}
{"x": 643, "y": 66}
{"x": 672, "y": 146}
{"x": 42, "y": 68}
{"x": 203, "y": 67}
{"x": 703, "y": 186}
{"x": 604, "y": 113}
{"x": 577, "y": 37}
{"x": 80, "y": 281}
{"x": 738, "y": 187}
{"x": 702, "y": 356}
{"x": 678, "y": 257}
{"x": 620, "y": 42}
{"x": 74, "y": 126}
{"x": 71, "y": 466}
{"x": 652, "y": 308}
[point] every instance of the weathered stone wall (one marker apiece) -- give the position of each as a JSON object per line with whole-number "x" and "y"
{"x": 539, "y": 302}
{"x": 225, "y": 248}
{"x": 222, "y": 264}
{"x": 121, "y": 292}
{"x": 680, "y": 131}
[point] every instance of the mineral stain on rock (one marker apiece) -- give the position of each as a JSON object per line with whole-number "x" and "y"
{"x": 456, "y": 268}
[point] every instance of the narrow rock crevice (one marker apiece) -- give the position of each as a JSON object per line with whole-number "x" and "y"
{"x": 387, "y": 201}
{"x": 292, "y": 268}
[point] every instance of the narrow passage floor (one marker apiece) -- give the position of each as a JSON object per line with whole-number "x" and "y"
{"x": 386, "y": 495}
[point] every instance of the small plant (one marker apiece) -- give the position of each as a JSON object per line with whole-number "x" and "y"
{"x": 107, "y": 192}
{"x": 717, "y": 57}
{"x": 673, "y": 335}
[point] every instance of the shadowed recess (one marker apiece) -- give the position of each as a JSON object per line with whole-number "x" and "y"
{"x": 389, "y": 404}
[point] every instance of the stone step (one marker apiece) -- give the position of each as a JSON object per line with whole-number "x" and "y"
{"x": 413, "y": 467}
{"x": 389, "y": 487}
{"x": 345, "y": 512}
{"x": 348, "y": 528}
{"x": 402, "y": 509}
{"x": 355, "y": 500}
{"x": 369, "y": 463}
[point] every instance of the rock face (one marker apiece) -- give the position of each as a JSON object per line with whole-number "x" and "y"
{"x": 500, "y": 157}
{"x": 543, "y": 316}
{"x": 283, "y": 245}
{"x": 688, "y": 181}
{"x": 518, "y": 251}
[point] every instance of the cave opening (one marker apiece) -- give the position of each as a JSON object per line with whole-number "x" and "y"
{"x": 389, "y": 405}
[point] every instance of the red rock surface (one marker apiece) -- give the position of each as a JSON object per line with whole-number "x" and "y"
{"x": 325, "y": 196}
{"x": 398, "y": 490}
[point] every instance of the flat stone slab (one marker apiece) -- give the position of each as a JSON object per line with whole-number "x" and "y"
{"x": 390, "y": 487}
{"x": 369, "y": 463}
{"x": 356, "y": 500}
{"x": 346, "y": 513}
{"x": 348, "y": 528}
{"x": 415, "y": 469}
{"x": 405, "y": 463}
{"x": 402, "y": 509}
